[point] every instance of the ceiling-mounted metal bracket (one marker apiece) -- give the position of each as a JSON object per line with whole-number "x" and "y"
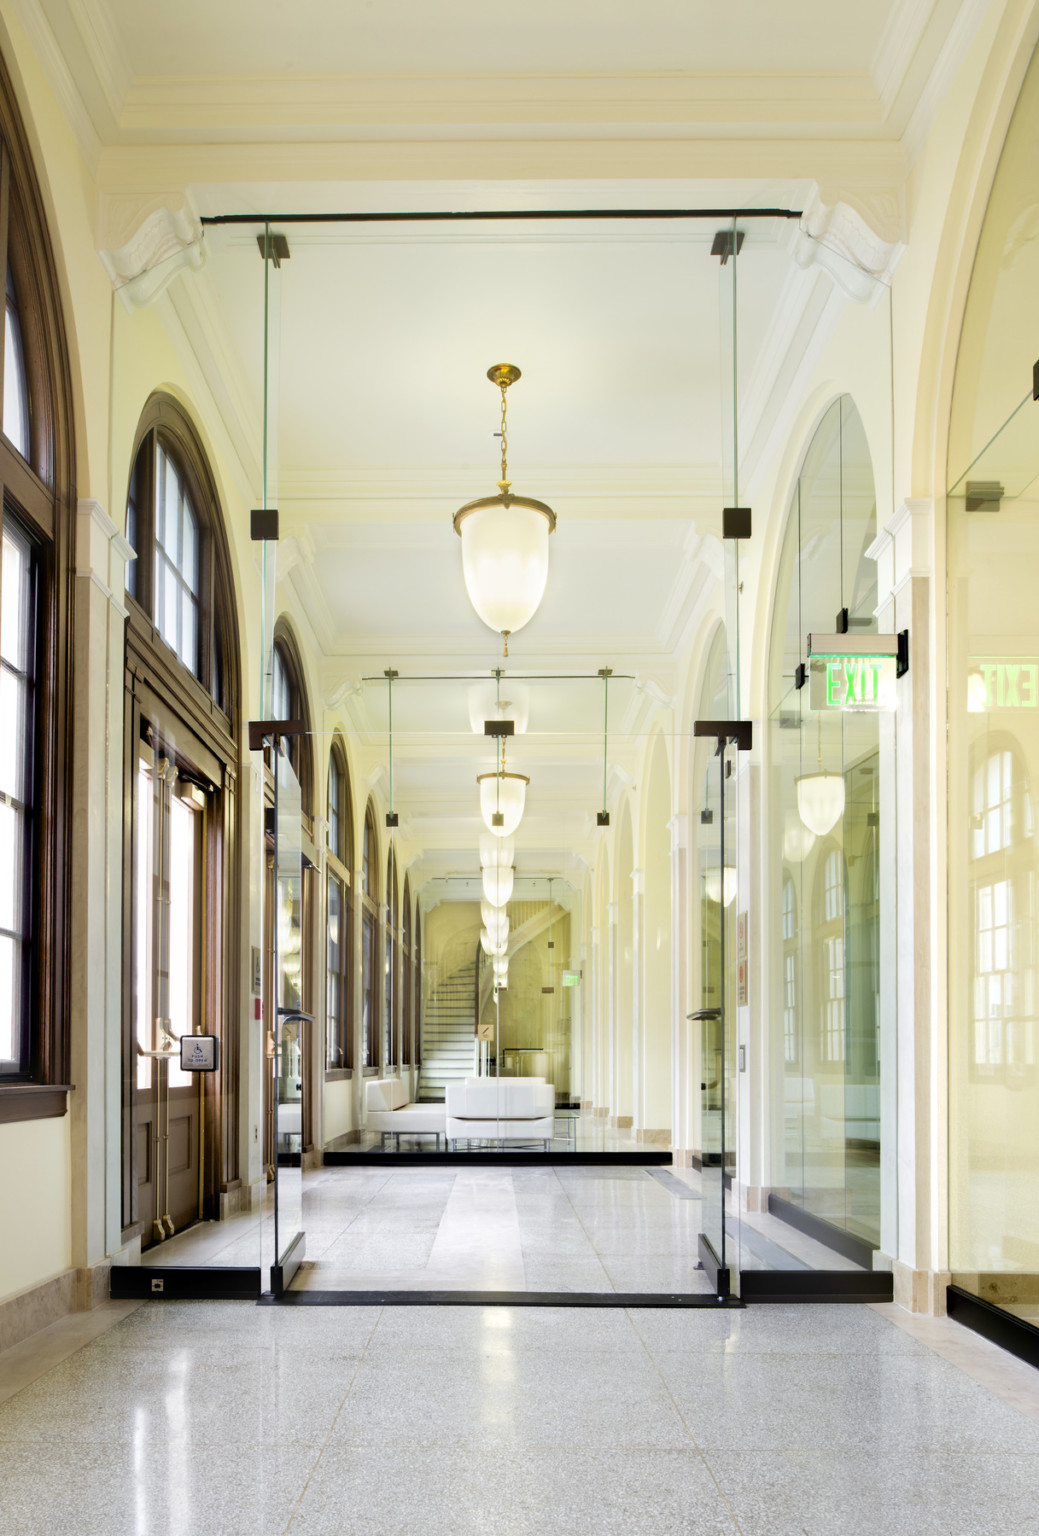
{"x": 723, "y": 244}
{"x": 602, "y": 818}
{"x": 392, "y": 819}
{"x": 274, "y": 246}
{"x": 739, "y": 733}
{"x": 263, "y": 524}
{"x": 902, "y": 663}
{"x": 840, "y": 623}
{"x": 1035, "y": 380}
{"x": 800, "y": 675}
{"x": 499, "y": 727}
{"x": 262, "y": 731}
{"x": 736, "y": 522}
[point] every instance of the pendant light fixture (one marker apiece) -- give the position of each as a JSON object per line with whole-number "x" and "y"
{"x": 492, "y": 946}
{"x": 497, "y": 885}
{"x": 505, "y": 542}
{"x": 798, "y": 841}
{"x": 496, "y": 852}
{"x": 502, "y": 798}
{"x": 495, "y": 921}
{"x": 820, "y": 795}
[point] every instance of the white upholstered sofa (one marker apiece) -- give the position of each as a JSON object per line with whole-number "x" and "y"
{"x": 501, "y": 1109}
{"x": 388, "y": 1110}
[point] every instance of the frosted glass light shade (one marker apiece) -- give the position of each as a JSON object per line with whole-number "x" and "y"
{"x": 504, "y": 794}
{"x": 505, "y": 558}
{"x": 496, "y": 852}
{"x": 721, "y": 885}
{"x": 798, "y": 840}
{"x": 820, "y": 801}
{"x": 495, "y": 921}
{"x": 497, "y": 885}
{"x": 490, "y": 945}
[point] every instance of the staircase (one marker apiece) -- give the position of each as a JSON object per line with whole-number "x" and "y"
{"x": 448, "y": 1034}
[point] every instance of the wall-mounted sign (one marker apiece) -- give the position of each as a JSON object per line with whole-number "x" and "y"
{"x": 853, "y": 673}
{"x": 571, "y": 978}
{"x": 1002, "y": 682}
{"x": 199, "y": 1053}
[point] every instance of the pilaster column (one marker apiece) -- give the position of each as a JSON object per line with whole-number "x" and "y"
{"x": 913, "y": 1043}
{"x": 681, "y": 1070}
{"x": 638, "y": 902}
{"x": 608, "y": 1037}
{"x": 97, "y": 880}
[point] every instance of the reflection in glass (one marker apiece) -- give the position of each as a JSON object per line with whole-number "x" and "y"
{"x": 824, "y": 859}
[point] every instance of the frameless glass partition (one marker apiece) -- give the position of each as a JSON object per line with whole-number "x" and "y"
{"x": 831, "y": 758}
{"x": 292, "y": 1023}
{"x": 993, "y": 565}
{"x": 717, "y": 1021}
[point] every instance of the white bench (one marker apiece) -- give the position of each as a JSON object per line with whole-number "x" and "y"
{"x": 388, "y": 1111}
{"x": 501, "y": 1109}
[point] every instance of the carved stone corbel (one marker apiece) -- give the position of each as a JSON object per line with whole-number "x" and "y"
{"x": 146, "y": 242}
{"x": 859, "y": 246}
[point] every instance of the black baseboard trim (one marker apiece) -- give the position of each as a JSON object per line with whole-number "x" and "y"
{"x": 490, "y": 1159}
{"x": 676, "y": 1300}
{"x": 282, "y": 1274}
{"x": 717, "y": 1274}
{"x": 857, "y": 1249}
{"x": 830, "y": 1285}
{"x": 135, "y": 1282}
{"x": 1003, "y": 1328}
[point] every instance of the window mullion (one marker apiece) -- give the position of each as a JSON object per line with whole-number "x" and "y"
{"x": 5, "y": 218}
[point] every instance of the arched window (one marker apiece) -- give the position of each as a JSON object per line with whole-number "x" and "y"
{"x": 338, "y": 1014}
{"x": 1003, "y": 1042}
{"x": 37, "y": 504}
{"x": 289, "y": 702}
{"x": 369, "y": 923}
{"x": 791, "y": 1044}
{"x": 181, "y": 689}
{"x": 180, "y": 579}
{"x": 391, "y": 984}
{"x": 829, "y": 938}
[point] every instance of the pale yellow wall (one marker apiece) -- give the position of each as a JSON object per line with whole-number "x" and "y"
{"x": 35, "y": 1236}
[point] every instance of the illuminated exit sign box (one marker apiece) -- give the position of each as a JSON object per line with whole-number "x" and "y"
{"x": 853, "y": 673}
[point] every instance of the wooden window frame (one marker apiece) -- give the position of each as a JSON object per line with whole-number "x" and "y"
{"x": 338, "y": 860}
{"x": 41, "y": 493}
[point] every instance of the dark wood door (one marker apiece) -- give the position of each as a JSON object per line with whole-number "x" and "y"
{"x": 169, "y": 985}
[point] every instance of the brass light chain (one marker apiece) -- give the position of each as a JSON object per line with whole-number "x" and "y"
{"x": 503, "y": 483}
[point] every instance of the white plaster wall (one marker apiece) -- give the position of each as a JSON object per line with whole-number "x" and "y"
{"x": 35, "y": 1230}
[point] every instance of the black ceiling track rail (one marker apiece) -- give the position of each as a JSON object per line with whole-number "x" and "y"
{"x": 500, "y": 215}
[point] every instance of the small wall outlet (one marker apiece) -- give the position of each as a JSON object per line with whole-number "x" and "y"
{"x": 158, "y": 1285}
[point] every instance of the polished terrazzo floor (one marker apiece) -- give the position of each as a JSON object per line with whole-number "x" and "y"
{"x": 606, "y": 1228}
{"x": 194, "y": 1418}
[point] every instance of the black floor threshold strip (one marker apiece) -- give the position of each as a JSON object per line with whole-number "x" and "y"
{"x": 845, "y": 1243}
{"x": 316, "y": 1298}
{"x": 829, "y": 1285}
{"x": 492, "y": 1159}
{"x": 1011, "y": 1333}
{"x": 183, "y": 1282}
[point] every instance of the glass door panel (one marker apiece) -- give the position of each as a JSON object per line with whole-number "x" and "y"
{"x": 290, "y": 1024}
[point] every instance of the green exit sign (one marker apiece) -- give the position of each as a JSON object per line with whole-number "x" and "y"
{"x": 1002, "y": 682}
{"x": 853, "y": 673}
{"x": 571, "y": 978}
